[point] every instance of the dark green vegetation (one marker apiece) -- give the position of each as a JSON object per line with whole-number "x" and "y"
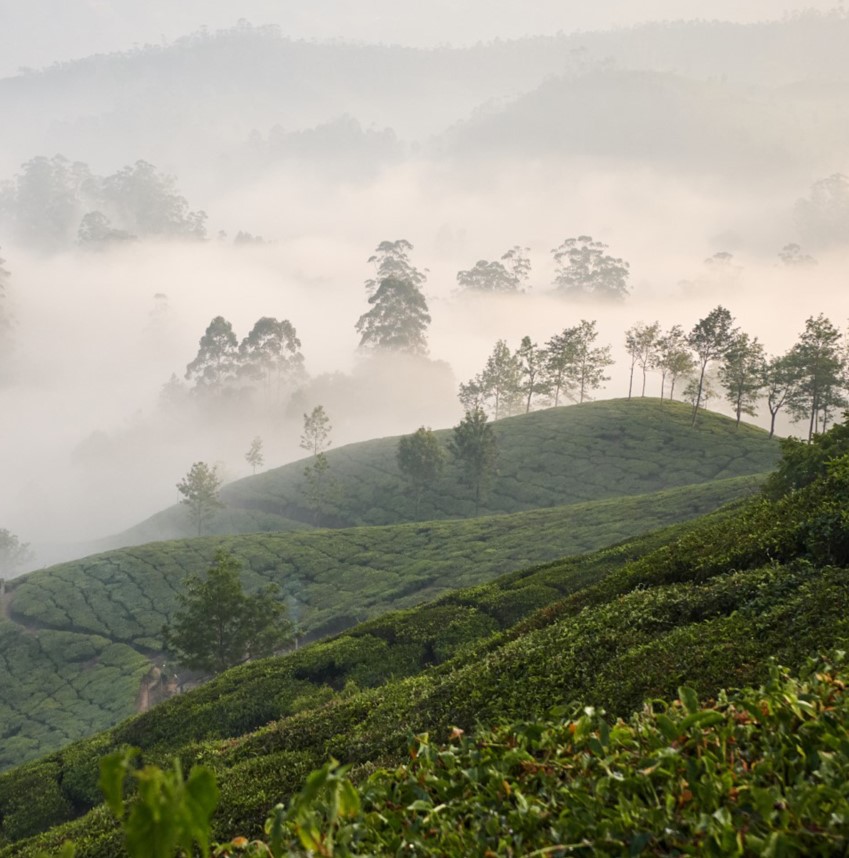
{"x": 547, "y": 458}
{"x": 330, "y": 580}
{"x": 758, "y": 772}
{"x": 707, "y": 605}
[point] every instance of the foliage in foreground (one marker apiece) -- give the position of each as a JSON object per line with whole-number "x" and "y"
{"x": 756, "y": 772}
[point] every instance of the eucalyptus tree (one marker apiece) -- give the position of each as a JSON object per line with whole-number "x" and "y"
{"x": 506, "y": 275}
{"x": 817, "y": 365}
{"x": 560, "y": 360}
{"x": 217, "y": 360}
{"x": 674, "y": 359}
{"x": 779, "y": 381}
{"x": 497, "y": 386}
{"x": 391, "y": 260}
{"x": 271, "y": 354}
{"x": 533, "y": 379}
{"x": 590, "y": 362}
{"x": 398, "y": 318}
{"x": 742, "y": 374}
{"x": 641, "y": 343}
{"x": 585, "y": 269}
{"x": 709, "y": 339}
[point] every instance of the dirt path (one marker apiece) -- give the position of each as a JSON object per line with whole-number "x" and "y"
{"x": 150, "y": 682}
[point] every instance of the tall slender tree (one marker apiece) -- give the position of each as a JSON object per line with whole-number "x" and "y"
{"x": 217, "y": 359}
{"x": 674, "y": 359}
{"x": 742, "y": 374}
{"x": 816, "y": 363}
{"x": 778, "y": 384}
{"x": 590, "y": 362}
{"x": 710, "y": 339}
{"x": 642, "y": 343}
{"x": 531, "y": 360}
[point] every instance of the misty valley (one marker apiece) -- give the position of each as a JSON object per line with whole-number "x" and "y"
{"x": 432, "y": 448}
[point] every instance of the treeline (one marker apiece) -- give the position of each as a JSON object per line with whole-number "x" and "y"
{"x": 54, "y": 202}
{"x": 810, "y": 381}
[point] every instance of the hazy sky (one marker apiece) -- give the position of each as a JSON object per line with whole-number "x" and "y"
{"x": 39, "y": 32}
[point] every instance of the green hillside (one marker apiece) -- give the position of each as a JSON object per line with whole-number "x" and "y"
{"x": 553, "y": 457}
{"x": 80, "y": 636}
{"x": 707, "y": 605}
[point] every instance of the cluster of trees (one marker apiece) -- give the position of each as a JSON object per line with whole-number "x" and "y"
{"x": 509, "y": 274}
{"x": 269, "y": 356}
{"x": 583, "y": 269}
{"x": 809, "y": 380}
{"x": 568, "y": 366}
{"x": 54, "y": 201}
{"x": 473, "y": 448}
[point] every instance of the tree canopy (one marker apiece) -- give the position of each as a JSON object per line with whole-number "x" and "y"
{"x": 585, "y": 269}
{"x": 398, "y": 318}
{"x": 218, "y": 625}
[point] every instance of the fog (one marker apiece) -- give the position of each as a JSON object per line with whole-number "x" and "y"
{"x": 40, "y": 32}
{"x": 90, "y": 445}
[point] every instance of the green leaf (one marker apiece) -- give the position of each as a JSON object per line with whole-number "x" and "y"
{"x": 689, "y": 698}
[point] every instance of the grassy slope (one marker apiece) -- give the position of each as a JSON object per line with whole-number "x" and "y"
{"x": 707, "y": 607}
{"x": 547, "y": 458}
{"x": 77, "y": 651}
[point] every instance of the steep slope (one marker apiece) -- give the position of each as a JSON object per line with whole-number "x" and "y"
{"x": 547, "y": 458}
{"x": 81, "y": 637}
{"x": 707, "y": 605}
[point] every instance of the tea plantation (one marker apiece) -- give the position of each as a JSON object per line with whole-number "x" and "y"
{"x": 547, "y": 458}
{"x": 707, "y": 605}
{"x": 83, "y": 632}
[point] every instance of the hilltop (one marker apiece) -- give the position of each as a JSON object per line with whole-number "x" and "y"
{"x": 707, "y": 604}
{"x": 552, "y": 457}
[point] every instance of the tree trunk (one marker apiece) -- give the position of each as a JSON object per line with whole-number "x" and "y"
{"x": 698, "y": 395}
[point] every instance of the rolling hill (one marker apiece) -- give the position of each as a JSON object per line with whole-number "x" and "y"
{"x": 82, "y": 639}
{"x": 552, "y": 457}
{"x": 707, "y": 604}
